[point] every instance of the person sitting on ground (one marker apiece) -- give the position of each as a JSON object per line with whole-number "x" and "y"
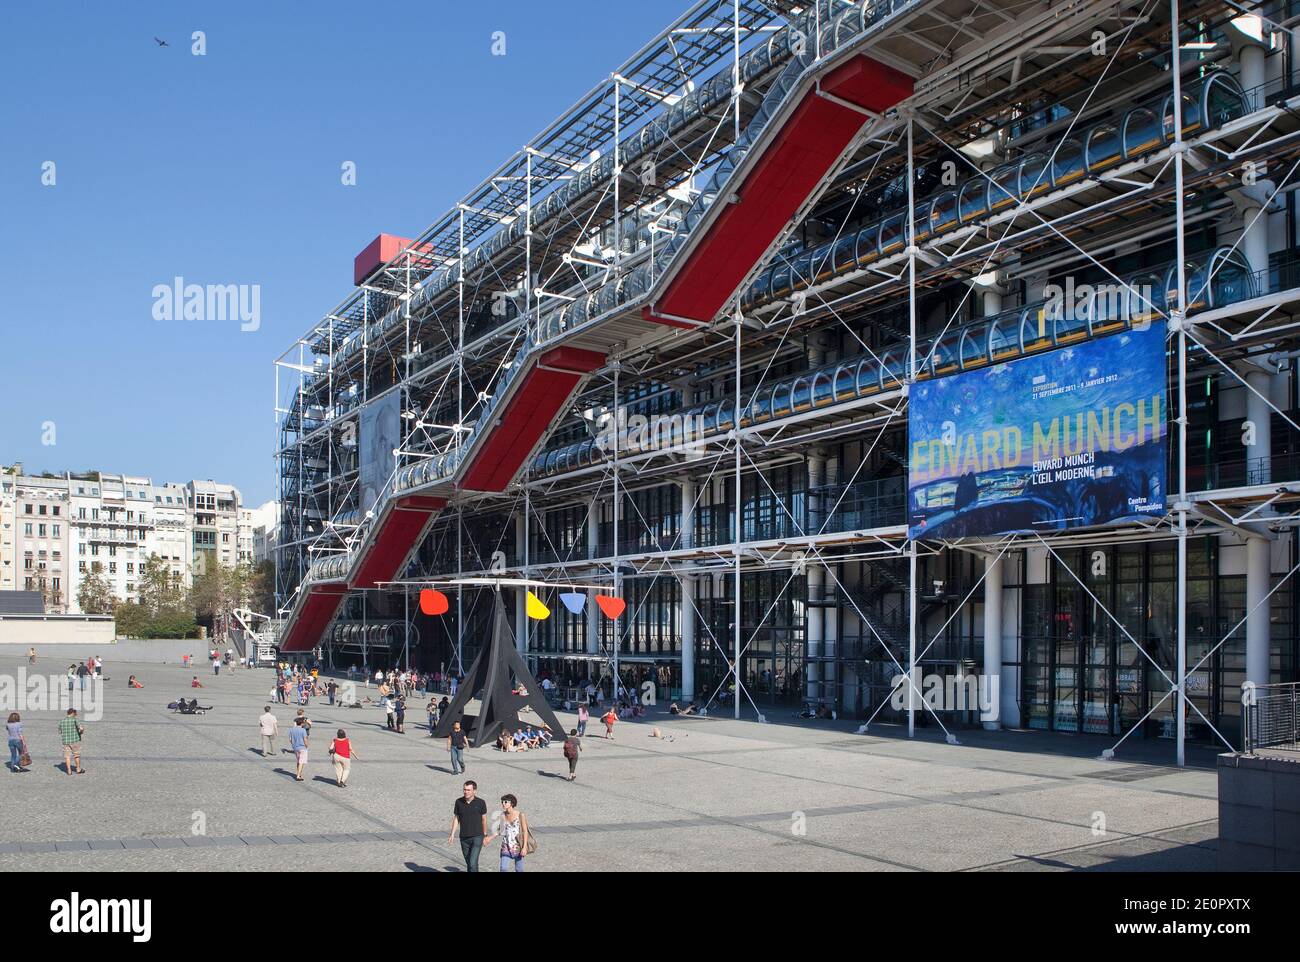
{"x": 195, "y": 683}
{"x": 133, "y": 682}
{"x": 520, "y": 740}
{"x": 504, "y": 741}
{"x": 544, "y": 736}
{"x": 532, "y": 738}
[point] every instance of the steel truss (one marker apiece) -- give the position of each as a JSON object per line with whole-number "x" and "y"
{"x": 441, "y": 326}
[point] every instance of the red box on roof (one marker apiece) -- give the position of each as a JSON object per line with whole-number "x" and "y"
{"x": 378, "y": 252}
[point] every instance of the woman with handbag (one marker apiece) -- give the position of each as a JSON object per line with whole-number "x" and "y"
{"x": 516, "y": 840}
{"x": 19, "y": 757}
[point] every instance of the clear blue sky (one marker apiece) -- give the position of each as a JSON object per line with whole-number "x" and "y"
{"x": 225, "y": 169}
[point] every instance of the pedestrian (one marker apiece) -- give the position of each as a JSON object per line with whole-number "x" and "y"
{"x": 433, "y": 716}
{"x": 341, "y": 752}
{"x": 17, "y": 743}
{"x": 609, "y": 718}
{"x": 216, "y": 664}
{"x": 298, "y": 742}
{"x": 399, "y": 711}
{"x": 456, "y": 743}
{"x": 514, "y": 835}
{"x": 269, "y": 726}
{"x": 455, "y": 684}
{"x": 31, "y": 656}
{"x": 390, "y": 713}
{"x": 70, "y": 733}
{"x": 303, "y": 720}
{"x": 572, "y": 747}
{"x": 469, "y": 814}
{"x": 330, "y": 689}
{"x": 82, "y": 673}
{"x": 584, "y": 716}
{"x": 442, "y": 706}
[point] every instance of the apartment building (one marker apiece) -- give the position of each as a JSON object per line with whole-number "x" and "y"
{"x": 53, "y": 531}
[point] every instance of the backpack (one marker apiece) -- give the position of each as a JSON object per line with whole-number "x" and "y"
{"x": 570, "y": 748}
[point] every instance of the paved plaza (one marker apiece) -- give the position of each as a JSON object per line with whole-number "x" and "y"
{"x": 712, "y": 794}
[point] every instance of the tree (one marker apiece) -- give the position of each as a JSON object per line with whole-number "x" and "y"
{"x": 160, "y": 591}
{"x": 261, "y": 587}
{"x": 95, "y": 596}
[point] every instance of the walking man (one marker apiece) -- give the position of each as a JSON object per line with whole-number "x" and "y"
{"x": 433, "y": 716}
{"x": 583, "y": 717}
{"x": 456, "y": 743}
{"x": 572, "y": 746}
{"x": 298, "y": 742}
{"x": 470, "y": 814}
{"x": 269, "y": 727}
{"x": 70, "y": 732}
{"x": 31, "y": 656}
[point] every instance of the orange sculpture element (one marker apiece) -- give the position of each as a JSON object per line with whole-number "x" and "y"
{"x": 433, "y": 601}
{"x": 610, "y": 605}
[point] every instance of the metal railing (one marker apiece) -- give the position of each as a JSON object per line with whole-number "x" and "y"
{"x": 1269, "y": 718}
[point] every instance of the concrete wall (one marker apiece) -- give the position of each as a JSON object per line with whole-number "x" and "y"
{"x": 51, "y": 630}
{"x": 1259, "y": 813}
{"x": 62, "y": 640}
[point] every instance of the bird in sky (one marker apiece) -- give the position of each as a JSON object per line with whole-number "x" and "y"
{"x": 161, "y": 43}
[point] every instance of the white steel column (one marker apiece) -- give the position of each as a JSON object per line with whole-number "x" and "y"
{"x": 912, "y": 597}
{"x": 814, "y": 613}
{"x": 686, "y": 593}
{"x": 1260, "y": 415}
{"x": 687, "y": 587}
{"x": 593, "y": 550}
{"x": 1258, "y": 641}
{"x": 1179, "y": 322}
{"x": 993, "y": 634}
{"x": 814, "y": 626}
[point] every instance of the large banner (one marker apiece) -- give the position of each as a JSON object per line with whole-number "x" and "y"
{"x": 1066, "y": 439}
{"x": 381, "y": 434}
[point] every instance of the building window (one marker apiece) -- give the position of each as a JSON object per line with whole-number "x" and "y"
{"x": 56, "y": 530}
{"x": 27, "y": 528}
{"x": 27, "y": 509}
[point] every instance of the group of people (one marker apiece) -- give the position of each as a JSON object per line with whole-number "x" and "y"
{"x": 298, "y": 685}
{"x": 469, "y": 818}
{"x": 71, "y": 732}
{"x": 524, "y": 738}
{"x": 78, "y": 672}
{"x": 340, "y": 749}
{"x": 406, "y": 682}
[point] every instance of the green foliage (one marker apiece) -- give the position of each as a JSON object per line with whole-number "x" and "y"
{"x": 95, "y": 596}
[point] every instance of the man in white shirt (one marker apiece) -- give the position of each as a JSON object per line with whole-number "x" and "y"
{"x": 269, "y": 728}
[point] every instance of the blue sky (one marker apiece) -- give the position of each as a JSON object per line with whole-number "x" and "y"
{"x": 225, "y": 169}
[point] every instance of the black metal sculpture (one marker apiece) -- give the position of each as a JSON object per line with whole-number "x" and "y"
{"x": 491, "y": 673}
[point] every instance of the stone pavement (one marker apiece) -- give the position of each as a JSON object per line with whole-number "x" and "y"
{"x": 715, "y": 794}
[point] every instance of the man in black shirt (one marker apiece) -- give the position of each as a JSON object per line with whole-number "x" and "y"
{"x": 470, "y": 813}
{"x": 456, "y": 743}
